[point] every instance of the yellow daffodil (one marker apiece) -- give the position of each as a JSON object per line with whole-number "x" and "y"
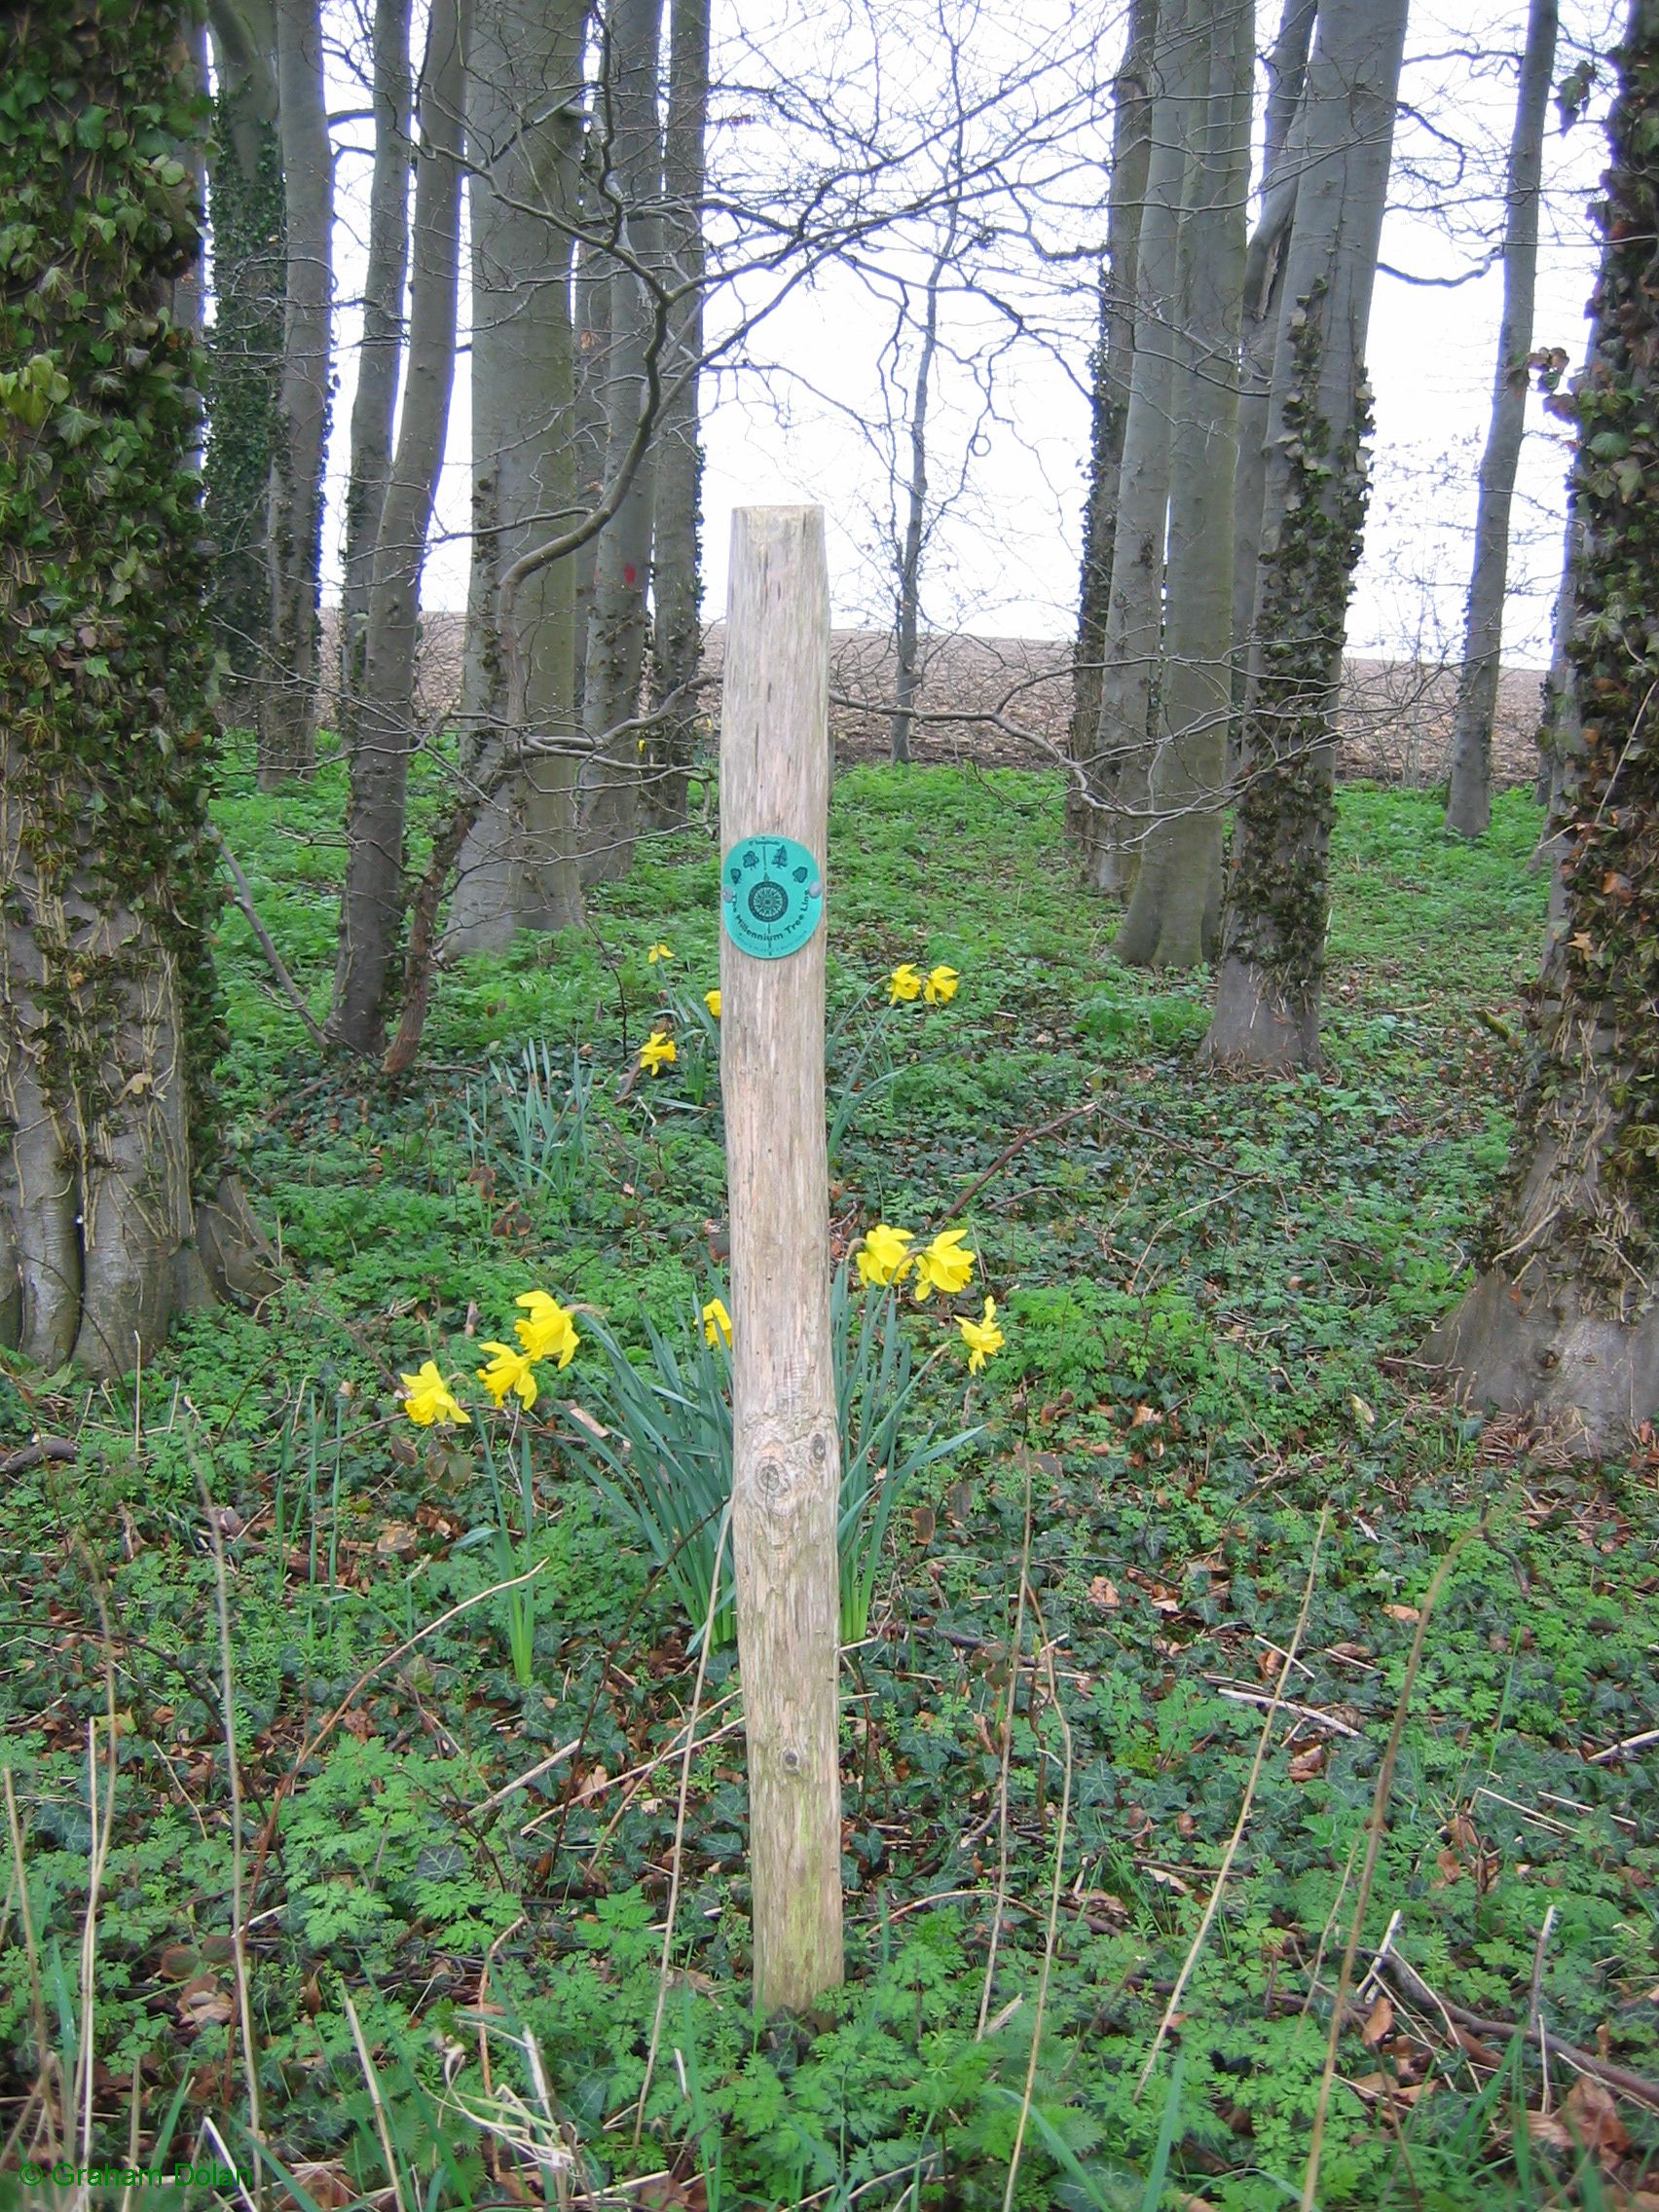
{"x": 983, "y": 1338}
{"x": 509, "y": 1370}
{"x": 884, "y": 1254}
{"x": 656, "y": 952}
{"x": 943, "y": 1265}
{"x": 712, "y": 1000}
{"x": 658, "y": 1050}
{"x": 546, "y": 1332}
{"x": 903, "y": 984}
{"x": 428, "y": 1398}
{"x": 940, "y": 987}
{"x": 717, "y": 1322}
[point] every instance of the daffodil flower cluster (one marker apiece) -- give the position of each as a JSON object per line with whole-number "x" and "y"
{"x": 545, "y": 1332}
{"x": 939, "y": 986}
{"x": 888, "y": 1255}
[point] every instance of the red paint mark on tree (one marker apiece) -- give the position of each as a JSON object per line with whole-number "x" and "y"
{"x": 630, "y": 574}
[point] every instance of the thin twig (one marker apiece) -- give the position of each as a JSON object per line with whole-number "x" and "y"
{"x": 372, "y": 2080}
{"x": 677, "y": 1860}
{"x": 1637, "y": 2086}
{"x": 228, "y": 1714}
{"x": 243, "y": 896}
{"x": 1001, "y": 1776}
{"x": 1275, "y": 1705}
{"x": 1050, "y": 1934}
{"x": 1374, "y": 1828}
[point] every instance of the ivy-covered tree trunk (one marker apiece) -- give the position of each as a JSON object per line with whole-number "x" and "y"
{"x": 614, "y": 661}
{"x": 288, "y": 692}
{"x": 1267, "y": 1012}
{"x": 1468, "y": 809}
{"x": 114, "y": 1212}
{"x": 380, "y": 717}
{"x": 1564, "y": 1317}
{"x": 249, "y": 267}
{"x": 373, "y": 404}
{"x": 1175, "y": 906}
{"x": 1117, "y": 763}
{"x": 1109, "y": 396}
{"x": 517, "y": 866}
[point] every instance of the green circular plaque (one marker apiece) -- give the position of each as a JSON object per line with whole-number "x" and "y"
{"x": 771, "y": 895}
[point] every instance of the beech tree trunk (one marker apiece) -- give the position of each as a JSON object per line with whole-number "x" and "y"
{"x": 115, "y": 1206}
{"x": 1469, "y": 807}
{"x": 383, "y": 713}
{"x": 1175, "y": 908}
{"x": 677, "y": 564}
{"x": 287, "y": 719}
{"x": 250, "y": 263}
{"x": 373, "y": 404}
{"x": 1267, "y": 1011}
{"x": 1115, "y": 767}
{"x": 1564, "y": 1317}
{"x": 614, "y": 664}
{"x": 518, "y": 864}
{"x": 1114, "y": 350}
{"x": 1284, "y": 155}
{"x": 590, "y": 307}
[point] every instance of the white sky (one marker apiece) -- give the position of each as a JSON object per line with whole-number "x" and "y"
{"x": 786, "y": 426}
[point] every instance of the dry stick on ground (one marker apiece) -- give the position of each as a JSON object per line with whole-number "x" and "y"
{"x": 1107, "y": 1114}
{"x": 228, "y": 1714}
{"x": 1275, "y": 1707}
{"x": 1051, "y": 1934}
{"x": 1372, "y": 1845}
{"x": 372, "y": 2081}
{"x": 244, "y": 896}
{"x": 1637, "y": 2086}
{"x": 31, "y": 1948}
{"x": 314, "y": 1742}
{"x": 677, "y": 1859}
{"x": 1007, "y": 1753}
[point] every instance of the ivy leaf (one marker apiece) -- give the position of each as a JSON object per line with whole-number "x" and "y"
{"x": 91, "y": 127}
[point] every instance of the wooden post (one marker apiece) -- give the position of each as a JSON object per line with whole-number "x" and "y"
{"x": 787, "y": 1458}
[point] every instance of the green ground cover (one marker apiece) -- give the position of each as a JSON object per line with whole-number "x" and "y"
{"x": 1203, "y": 1444}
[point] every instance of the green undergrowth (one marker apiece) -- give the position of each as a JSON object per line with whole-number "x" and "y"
{"x": 1213, "y": 1296}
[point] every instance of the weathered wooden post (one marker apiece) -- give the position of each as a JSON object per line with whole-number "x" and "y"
{"x": 787, "y": 1455}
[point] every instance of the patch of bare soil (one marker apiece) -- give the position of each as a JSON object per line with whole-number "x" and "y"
{"x": 1004, "y": 702}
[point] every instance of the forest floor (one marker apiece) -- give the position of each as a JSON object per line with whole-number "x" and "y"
{"x": 1220, "y": 1586}
{"x": 1006, "y": 702}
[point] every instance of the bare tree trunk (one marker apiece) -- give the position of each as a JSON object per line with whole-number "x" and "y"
{"x": 613, "y": 666}
{"x": 1564, "y": 1319}
{"x": 110, "y": 1141}
{"x": 1284, "y": 155}
{"x": 374, "y": 402}
{"x": 288, "y": 721}
{"x": 518, "y": 866}
{"x": 677, "y": 579}
{"x": 1177, "y": 904}
{"x": 1273, "y": 959}
{"x": 908, "y": 675}
{"x": 1469, "y": 807}
{"x": 590, "y": 294}
{"x": 1118, "y": 763}
{"x": 244, "y": 169}
{"x": 1114, "y": 352}
{"x": 384, "y": 715}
